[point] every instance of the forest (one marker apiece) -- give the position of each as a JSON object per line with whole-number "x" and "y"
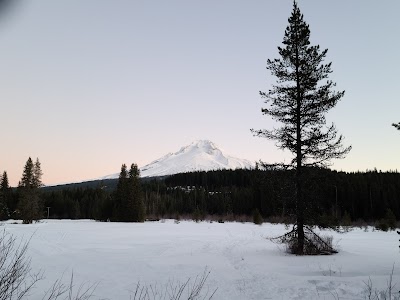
{"x": 333, "y": 197}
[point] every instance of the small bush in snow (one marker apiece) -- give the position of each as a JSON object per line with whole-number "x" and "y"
{"x": 314, "y": 244}
{"x": 382, "y": 225}
{"x": 257, "y": 218}
{"x": 196, "y": 215}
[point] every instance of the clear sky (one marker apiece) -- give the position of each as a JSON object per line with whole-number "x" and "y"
{"x": 89, "y": 85}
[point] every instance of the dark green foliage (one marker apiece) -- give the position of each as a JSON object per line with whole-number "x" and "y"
{"x": 382, "y": 225}
{"x": 121, "y": 196}
{"x": 4, "y": 212}
{"x": 27, "y": 175}
{"x": 4, "y": 197}
{"x": 135, "y": 198}
{"x": 299, "y": 101}
{"x": 129, "y": 205}
{"x": 4, "y": 185}
{"x": 397, "y": 126}
{"x": 30, "y": 207}
{"x": 196, "y": 215}
{"x": 228, "y": 194}
{"x": 388, "y": 222}
{"x": 346, "y": 220}
{"x": 362, "y": 195}
{"x": 257, "y": 218}
{"x": 32, "y": 174}
{"x": 37, "y": 174}
{"x": 88, "y": 203}
{"x": 301, "y": 98}
{"x": 327, "y": 221}
{"x": 106, "y": 184}
{"x": 391, "y": 219}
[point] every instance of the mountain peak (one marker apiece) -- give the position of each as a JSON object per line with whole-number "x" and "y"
{"x": 203, "y": 145}
{"x": 200, "y": 155}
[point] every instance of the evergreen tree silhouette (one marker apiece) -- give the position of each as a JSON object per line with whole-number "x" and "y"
{"x": 299, "y": 101}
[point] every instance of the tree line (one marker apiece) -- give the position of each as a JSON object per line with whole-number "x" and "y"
{"x": 25, "y": 203}
{"x": 31, "y": 202}
{"x": 332, "y": 197}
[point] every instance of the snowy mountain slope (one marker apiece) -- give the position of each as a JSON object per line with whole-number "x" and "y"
{"x": 202, "y": 155}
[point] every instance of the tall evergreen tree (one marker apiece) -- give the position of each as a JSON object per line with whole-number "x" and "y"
{"x": 299, "y": 100}
{"x": 396, "y": 125}
{"x": 29, "y": 202}
{"x": 4, "y": 194}
{"x": 135, "y": 205}
{"x": 27, "y": 175}
{"x": 4, "y": 182}
{"x": 120, "y": 195}
{"x": 129, "y": 205}
{"x": 37, "y": 174}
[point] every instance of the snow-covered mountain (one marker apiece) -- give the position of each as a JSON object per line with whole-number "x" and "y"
{"x": 202, "y": 155}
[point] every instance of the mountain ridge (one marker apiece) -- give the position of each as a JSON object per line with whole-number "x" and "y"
{"x": 200, "y": 155}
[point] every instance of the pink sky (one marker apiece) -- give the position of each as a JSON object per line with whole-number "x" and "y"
{"x": 89, "y": 85}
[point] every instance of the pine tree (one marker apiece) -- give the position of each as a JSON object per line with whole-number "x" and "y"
{"x": 136, "y": 208}
{"x": 4, "y": 194}
{"x": 129, "y": 205}
{"x": 29, "y": 202}
{"x": 397, "y": 126}
{"x": 299, "y": 100}
{"x": 121, "y": 195}
{"x": 4, "y": 186}
{"x": 27, "y": 175}
{"x": 37, "y": 174}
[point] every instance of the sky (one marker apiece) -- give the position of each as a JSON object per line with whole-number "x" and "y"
{"x": 88, "y": 85}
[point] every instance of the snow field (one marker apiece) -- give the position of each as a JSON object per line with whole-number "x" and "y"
{"x": 244, "y": 264}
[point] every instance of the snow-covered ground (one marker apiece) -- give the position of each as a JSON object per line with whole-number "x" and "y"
{"x": 244, "y": 264}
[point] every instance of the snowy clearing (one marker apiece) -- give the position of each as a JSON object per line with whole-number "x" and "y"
{"x": 243, "y": 263}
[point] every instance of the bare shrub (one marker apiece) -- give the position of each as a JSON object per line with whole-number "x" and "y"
{"x": 16, "y": 276}
{"x": 175, "y": 290}
{"x": 17, "y": 279}
{"x": 389, "y": 293}
{"x": 59, "y": 290}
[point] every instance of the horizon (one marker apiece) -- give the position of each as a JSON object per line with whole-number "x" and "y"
{"x": 88, "y": 86}
{"x": 115, "y": 174}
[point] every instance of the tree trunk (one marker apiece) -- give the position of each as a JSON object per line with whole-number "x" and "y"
{"x": 300, "y": 212}
{"x": 299, "y": 158}
{"x": 299, "y": 192}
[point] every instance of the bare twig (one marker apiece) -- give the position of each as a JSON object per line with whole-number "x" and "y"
{"x": 175, "y": 291}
